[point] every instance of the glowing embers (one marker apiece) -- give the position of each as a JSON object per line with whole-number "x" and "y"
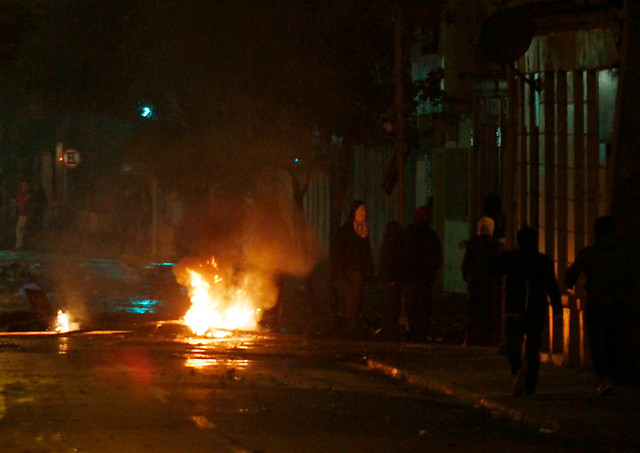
{"x": 209, "y": 353}
{"x": 204, "y": 361}
{"x": 219, "y": 306}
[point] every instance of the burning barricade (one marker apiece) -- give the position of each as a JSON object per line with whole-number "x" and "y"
{"x": 224, "y": 301}
{"x": 46, "y": 317}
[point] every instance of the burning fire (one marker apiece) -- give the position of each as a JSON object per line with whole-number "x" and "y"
{"x": 64, "y": 324}
{"x": 218, "y": 306}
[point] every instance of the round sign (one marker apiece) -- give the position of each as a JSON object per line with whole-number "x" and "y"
{"x": 71, "y": 158}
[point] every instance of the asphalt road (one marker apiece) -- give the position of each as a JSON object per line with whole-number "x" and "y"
{"x": 156, "y": 389}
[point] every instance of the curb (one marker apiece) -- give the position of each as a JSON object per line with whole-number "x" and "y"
{"x": 474, "y": 399}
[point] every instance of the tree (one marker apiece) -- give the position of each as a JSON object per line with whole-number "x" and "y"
{"x": 63, "y": 71}
{"x": 239, "y": 87}
{"x": 243, "y": 67}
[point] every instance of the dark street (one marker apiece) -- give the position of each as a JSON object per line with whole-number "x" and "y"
{"x": 285, "y": 226}
{"x": 157, "y": 391}
{"x": 135, "y": 379}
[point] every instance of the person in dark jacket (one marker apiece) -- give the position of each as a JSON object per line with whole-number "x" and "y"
{"x": 530, "y": 284}
{"x": 610, "y": 280}
{"x": 352, "y": 263}
{"x": 478, "y": 270}
{"x": 422, "y": 258}
{"x": 390, "y": 275}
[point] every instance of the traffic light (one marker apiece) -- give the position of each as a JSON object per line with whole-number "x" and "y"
{"x": 147, "y": 110}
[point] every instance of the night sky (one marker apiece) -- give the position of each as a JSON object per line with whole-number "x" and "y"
{"x": 227, "y": 74}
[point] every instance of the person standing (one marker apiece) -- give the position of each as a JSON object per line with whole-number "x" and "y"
{"x": 478, "y": 270}
{"x": 422, "y": 258}
{"x": 353, "y": 263}
{"x": 24, "y": 204}
{"x": 610, "y": 280}
{"x": 492, "y": 207}
{"x": 530, "y": 285}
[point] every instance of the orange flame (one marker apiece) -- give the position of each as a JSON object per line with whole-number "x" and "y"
{"x": 218, "y": 307}
{"x": 64, "y": 323}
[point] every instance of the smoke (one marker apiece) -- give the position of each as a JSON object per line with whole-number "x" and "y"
{"x": 254, "y": 240}
{"x": 276, "y": 238}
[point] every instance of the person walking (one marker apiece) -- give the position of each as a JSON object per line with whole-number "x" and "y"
{"x": 530, "y": 285}
{"x": 352, "y": 263}
{"x": 422, "y": 258}
{"x": 611, "y": 277}
{"x": 478, "y": 270}
{"x": 24, "y": 204}
{"x": 390, "y": 275}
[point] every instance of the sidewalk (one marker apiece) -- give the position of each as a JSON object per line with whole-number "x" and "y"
{"x": 565, "y": 402}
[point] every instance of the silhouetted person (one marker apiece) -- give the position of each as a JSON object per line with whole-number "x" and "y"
{"x": 390, "y": 274}
{"x": 478, "y": 270}
{"x": 422, "y": 258}
{"x": 610, "y": 273}
{"x": 530, "y": 285}
{"x": 353, "y": 263}
{"x": 492, "y": 207}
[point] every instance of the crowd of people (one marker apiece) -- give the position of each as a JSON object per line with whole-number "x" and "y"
{"x": 508, "y": 291}
{"x": 410, "y": 260}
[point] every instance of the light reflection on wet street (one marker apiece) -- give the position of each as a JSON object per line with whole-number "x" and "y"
{"x": 159, "y": 390}
{"x": 135, "y": 379}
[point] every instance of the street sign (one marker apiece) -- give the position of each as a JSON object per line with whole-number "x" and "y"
{"x": 71, "y": 158}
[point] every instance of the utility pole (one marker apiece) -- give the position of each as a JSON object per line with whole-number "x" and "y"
{"x": 399, "y": 88}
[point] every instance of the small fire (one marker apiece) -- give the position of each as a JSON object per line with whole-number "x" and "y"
{"x": 64, "y": 324}
{"x": 218, "y": 307}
